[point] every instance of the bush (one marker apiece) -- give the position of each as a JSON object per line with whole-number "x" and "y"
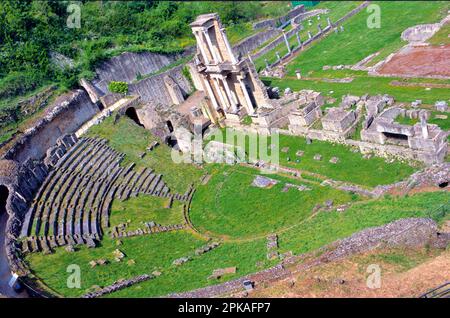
{"x": 118, "y": 87}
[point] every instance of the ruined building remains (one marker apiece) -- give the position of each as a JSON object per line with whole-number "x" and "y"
{"x": 231, "y": 85}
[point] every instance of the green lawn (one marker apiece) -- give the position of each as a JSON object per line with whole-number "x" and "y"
{"x": 337, "y": 10}
{"x": 351, "y": 168}
{"x": 156, "y": 252}
{"x": 362, "y": 85}
{"x": 145, "y": 208}
{"x": 230, "y": 206}
{"x": 327, "y": 227}
{"x": 358, "y": 41}
{"x": 441, "y": 37}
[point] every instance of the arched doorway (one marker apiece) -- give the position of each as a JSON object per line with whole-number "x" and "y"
{"x": 4, "y": 193}
{"x": 131, "y": 113}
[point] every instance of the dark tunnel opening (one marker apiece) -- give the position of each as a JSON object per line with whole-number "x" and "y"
{"x": 132, "y": 114}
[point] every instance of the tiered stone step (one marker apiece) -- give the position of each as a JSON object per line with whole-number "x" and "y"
{"x": 73, "y": 204}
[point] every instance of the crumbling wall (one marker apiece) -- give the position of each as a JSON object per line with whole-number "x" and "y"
{"x": 66, "y": 115}
{"x": 154, "y": 91}
{"x": 278, "y": 21}
{"x": 127, "y": 66}
{"x": 254, "y": 41}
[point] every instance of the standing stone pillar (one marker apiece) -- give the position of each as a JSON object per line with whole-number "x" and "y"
{"x": 225, "y": 104}
{"x": 298, "y": 74}
{"x": 250, "y": 58}
{"x": 250, "y": 108}
{"x": 211, "y": 47}
{"x": 319, "y": 28}
{"x": 297, "y": 34}
{"x": 424, "y": 126}
{"x": 342, "y": 28}
{"x": 309, "y": 35}
{"x": 227, "y": 44}
{"x": 267, "y": 64}
{"x": 230, "y": 95}
{"x": 287, "y": 42}
{"x": 329, "y": 21}
{"x": 278, "y": 55}
{"x": 211, "y": 94}
{"x": 202, "y": 48}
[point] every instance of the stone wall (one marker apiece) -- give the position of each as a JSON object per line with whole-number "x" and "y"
{"x": 153, "y": 89}
{"x": 127, "y": 66}
{"x": 66, "y": 115}
{"x": 278, "y": 21}
{"x": 254, "y": 41}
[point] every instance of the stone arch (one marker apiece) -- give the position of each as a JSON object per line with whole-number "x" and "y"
{"x": 132, "y": 114}
{"x": 169, "y": 125}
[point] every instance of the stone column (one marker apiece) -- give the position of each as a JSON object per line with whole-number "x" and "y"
{"x": 424, "y": 126}
{"x": 250, "y": 58}
{"x": 319, "y": 28}
{"x": 211, "y": 47}
{"x": 298, "y": 74}
{"x": 227, "y": 44}
{"x": 309, "y": 35}
{"x": 329, "y": 21}
{"x": 225, "y": 105}
{"x": 287, "y": 42}
{"x": 229, "y": 94}
{"x": 267, "y": 63}
{"x": 278, "y": 55}
{"x": 298, "y": 39}
{"x": 211, "y": 93}
{"x": 200, "y": 45}
{"x": 250, "y": 108}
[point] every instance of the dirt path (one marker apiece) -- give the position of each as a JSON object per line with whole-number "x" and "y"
{"x": 427, "y": 61}
{"x": 347, "y": 278}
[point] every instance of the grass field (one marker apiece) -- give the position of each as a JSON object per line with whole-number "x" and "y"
{"x": 351, "y": 168}
{"x": 337, "y": 10}
{"x": 441, "y": 37}
{"x": 145, "y": 208}
{"x": 156, "y": 252}
{"x": 362, "y": 85}
{"x": 358, "y": 41}
{"x": 238, "y": 210}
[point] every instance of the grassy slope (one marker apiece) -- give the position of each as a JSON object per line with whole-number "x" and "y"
{"x": 442, "y": 36}
{"x": 145, "y": 208}
{"x": 362, "y": 85}
{"x": 158, "y": 251}
{"x": 337, "y": 10}
{"x": 352, "y": 167}
{"x": 358, "y": 41}
{"x": 237, "y": 209}
{"x": 127, "y": 137}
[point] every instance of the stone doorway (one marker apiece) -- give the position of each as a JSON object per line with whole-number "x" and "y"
{"x": 396, "y": 139}
{"x": 132, "y": 114}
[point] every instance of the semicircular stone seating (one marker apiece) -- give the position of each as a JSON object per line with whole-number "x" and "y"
{"x": 73, "y": 204}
